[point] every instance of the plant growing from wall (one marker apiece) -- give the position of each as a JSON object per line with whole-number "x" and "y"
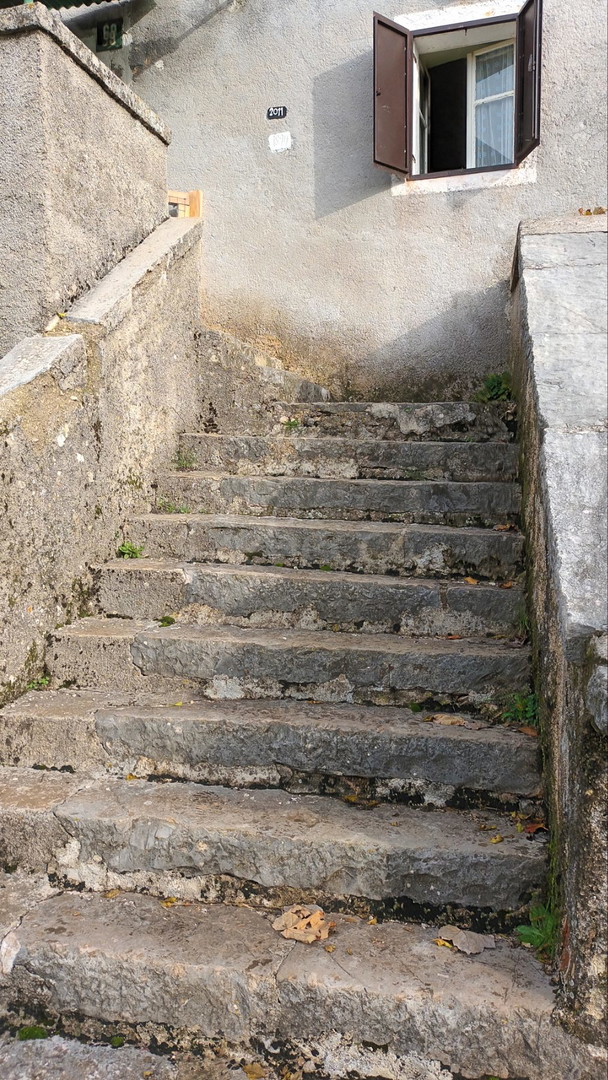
{"x": 496, "y": 387}
{"x": 128, "y": 550}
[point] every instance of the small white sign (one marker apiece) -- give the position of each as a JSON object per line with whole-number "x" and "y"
{"x": 280, "y": 141}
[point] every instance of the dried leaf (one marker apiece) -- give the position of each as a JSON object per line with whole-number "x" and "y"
{"x": 471, "y": 581}
{"x": 329, "y": 948}
{"x": 305, "y": 924}
{"x": 466, "y": 941}
{"x": 254, "y": 1071}
{"x": 447, "y": 719}
{"x": 111, "y": 894}
{"x": 169, "y": 902}
{"x": 504, "y": 528}
{"x": 453, "y": 637}
{"x": 131, "y": 776}
{"x": 527, "y": 730}
{"x": 444, "y": 944}
{"x": 506, "y": 585}
{"x": 498, "y": 839}
{"x": 535, "y": 826}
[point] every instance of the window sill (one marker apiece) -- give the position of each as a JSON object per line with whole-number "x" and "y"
{"x": 472, "y": 181}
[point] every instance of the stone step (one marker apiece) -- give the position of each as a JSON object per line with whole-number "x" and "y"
{"x": 381, "y": 1000}
{"x": 182, "y": 839}
{"x": 56, "y": 1058}
{"x": 456, "y": 421}
{"x": 432, "y": 502}
{"x": 361, "y": 547}
{"x": 297, "y": 746}
{"x": 270, "y": 596}
{"x": 350, "y": 459}
{"x": 228, "y": 662}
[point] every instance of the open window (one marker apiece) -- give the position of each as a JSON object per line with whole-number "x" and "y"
{"x": 459, "y": 98}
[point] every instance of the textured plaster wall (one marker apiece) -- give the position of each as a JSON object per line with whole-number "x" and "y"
{"x": 401, "y": 296}
{"x": 559, "y": 324}
{"x": 82, "y": 170}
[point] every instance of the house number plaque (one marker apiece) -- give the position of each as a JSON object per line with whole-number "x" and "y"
{"x": 276, "y": 112}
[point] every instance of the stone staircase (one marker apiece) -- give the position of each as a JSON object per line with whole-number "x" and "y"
{"x": 293, "y": 696}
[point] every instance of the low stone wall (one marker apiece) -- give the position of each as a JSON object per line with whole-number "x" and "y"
{"x": 559, "y": 326}
{"x": 90, "y": 413}
{"x": 82, "y": 170}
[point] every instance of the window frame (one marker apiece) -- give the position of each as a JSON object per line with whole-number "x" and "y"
{"x": 473, "y": 102}
{"x": 521, "y": 148}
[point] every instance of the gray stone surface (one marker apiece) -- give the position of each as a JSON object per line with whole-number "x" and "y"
{"x": 447, "y": 420}
{"x": 440, "y": 503}
{"x": 62, "y": 1059}
{"x": 368, "y": 547}
{"x": 65, "y": 358}
{"x": 352, "y": 459}
{"x": 231, "y": 742}
{"x": 103, "y": 832}
{"x": 271, "y": 596}
{"x": 73, "y": 202}
{"x": 559, "y": 321}
{"x": 128, "y": 960}
{"x": 29, "y": 830}
{"x": 230, "y": 662}
{"x": 20, "y": 891}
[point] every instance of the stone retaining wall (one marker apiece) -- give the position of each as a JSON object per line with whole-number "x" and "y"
{"x": 559, "y": 326}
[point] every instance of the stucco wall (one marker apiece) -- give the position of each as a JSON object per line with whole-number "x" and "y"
{"x": 402, "y": 295}
{"x": 82, "y": 170}
{"x": 559, "y": 323}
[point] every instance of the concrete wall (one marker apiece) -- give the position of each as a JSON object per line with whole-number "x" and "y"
{"x": 398, "y": 291}
{"x": 560, "y": 368}
{"x": 82, "y": 170}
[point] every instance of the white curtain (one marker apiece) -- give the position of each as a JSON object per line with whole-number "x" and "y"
{"x": 494, "y": 104}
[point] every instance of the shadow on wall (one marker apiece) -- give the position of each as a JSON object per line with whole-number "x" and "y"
{"x": 344, "y": 172}
{"x": 447, "y": 357}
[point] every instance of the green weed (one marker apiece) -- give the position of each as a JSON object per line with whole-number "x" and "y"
{"x": 167, "y": 620}
{"x": 31, "y": 1032}
{"x": 496, "y": 388}
{"x": 128, "y": 550}
{"x": 116, "y": 1041}
{"x": 167, "y": 507}
{"x": 522, "y": 709}
{"x": 185, "y": 460}
{"x": 39, "y": 684}
{"x": 290, "y": 425}
{"x": 541, "y": 932}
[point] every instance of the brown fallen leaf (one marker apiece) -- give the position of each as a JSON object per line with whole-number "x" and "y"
{"x": 534, "y": 826}
{"x": 498, "y": 839}
{"x": 169, "y": 902}
{"x": 305, "y": 924}
{"x": 466, "y": 941}
{"x": 506, "y": 585}
{"x": 329, "y": 948}
{"x": 111, "y": 893}
{"x": 254, "y": 1071}
{"x": 453, "y": 637}
{"x": 504, "y": 528}
{"x": 471, "y": 581}
{"x": 527, "y": 730}
{"x": 447, "y": 719}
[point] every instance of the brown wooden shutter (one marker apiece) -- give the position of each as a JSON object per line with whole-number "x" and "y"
{"x": 528, "y": 72}
{"x": 391, "y": 48}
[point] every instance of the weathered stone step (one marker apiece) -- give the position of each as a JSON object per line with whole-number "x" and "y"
{"x": 221, "y": 974}
{"x": 294, "y": 745}
{"x": 362, "y": 547}
{"x": 243, "y": 663}
{"x": 270, "y": 596}
{"x": 350, "y": 459}
{"x": 434, "y": 421}
{"x": 228, "y": 662}
{"x": 431, "y": 502}
{"x": 56, "y": 1058}
{"x": 112, "y": 832}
